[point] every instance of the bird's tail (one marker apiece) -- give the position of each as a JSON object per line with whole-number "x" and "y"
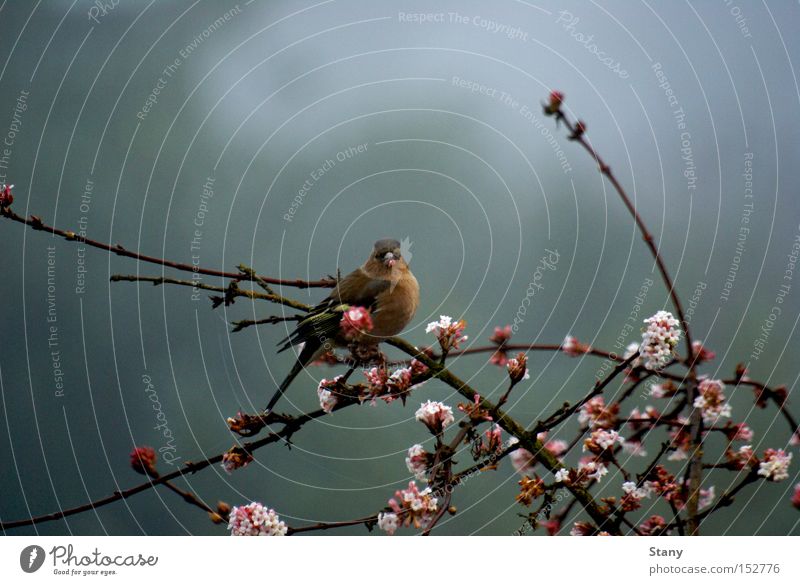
{"x": 307, "y": 355}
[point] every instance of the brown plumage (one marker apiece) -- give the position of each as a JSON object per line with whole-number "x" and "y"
{"x": 384, "y": 284}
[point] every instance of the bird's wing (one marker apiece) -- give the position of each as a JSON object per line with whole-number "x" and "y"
{"x": 360, "y": 289}
{"x": 322, "y": 322}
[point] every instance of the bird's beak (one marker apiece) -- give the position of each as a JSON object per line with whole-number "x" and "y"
{"x": 389, "y": 260}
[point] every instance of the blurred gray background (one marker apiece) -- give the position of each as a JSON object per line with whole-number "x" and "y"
{"x": 456, "y": 156}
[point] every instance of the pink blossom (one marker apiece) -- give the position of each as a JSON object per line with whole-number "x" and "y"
{"x": 435, "y": 415}
{"x": 659, "y": 340}
{"x": 143, "y": 460}
{"x": 418, "y": 461}
{"x": 582, "y": 529}
{"x": 389, "y": 522}
{"x": 572, "y": 347}
{"x": 740, "y": 432}
{"x": 500, "y": 338}
{"x": 653, "y": 526}
{"x": 634, "y": 448}
{"x": 355, "y": 321}
{"x": 235, "y": 458}
{"x": 552, "y": 526}
{"x": 701, "y": 353}
{"x": 517, "y": 368}
{"x": 663, "y": 390}
{"x": 596, "y": 414}
{"x": 522, "y": 460}
{"x": 6, "y": 197}
{"x": 742, "y": 458}
{"x": 449, "y": 333}
{"x": 591, "y": 469}
{"x": 711, "y": 400}
{"x": 602, "y": 441}
{"x": 775, "y": 465}
{"x": 415, "y": 507}
{"x": 417, "y": 367}
{"x": 796, "y": 497}
{"x": 706, "y": 498}
{"x": 557, "y": 447}
{"x": 255, "y": 520}
{"x": 377, "y": 378}
{"x": 400, "y": 380}
{"x": 327, "y": 398}
{"x": 494, "y": 440}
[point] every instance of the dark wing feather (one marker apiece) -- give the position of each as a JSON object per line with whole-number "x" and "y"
{"x": 322, "y": 322}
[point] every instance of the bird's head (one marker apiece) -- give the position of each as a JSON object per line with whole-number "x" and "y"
{"x": 386, "y": 259}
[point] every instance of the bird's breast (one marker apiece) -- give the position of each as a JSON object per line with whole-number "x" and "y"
{"x": 396, "y": 307}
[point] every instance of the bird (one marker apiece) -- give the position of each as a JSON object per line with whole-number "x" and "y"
{"x": 383, "y": 284}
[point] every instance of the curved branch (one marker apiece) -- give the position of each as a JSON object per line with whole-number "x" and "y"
{"x": 37, "y": 224}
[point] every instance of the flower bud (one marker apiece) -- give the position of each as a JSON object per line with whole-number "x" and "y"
{"x": 143, "y": 460}
{"x": 517, "y": 368}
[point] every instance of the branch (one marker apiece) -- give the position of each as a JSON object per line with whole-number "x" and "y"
{"x": 577, "y": 133}
{"x": 526, "y": 439}
{"x": 567, "y": 411}
{"x": 290, "y": 427}
{"x": 229, "y": 291}
{"x": 37, "y": 224}
{"x": 605, "y": 170}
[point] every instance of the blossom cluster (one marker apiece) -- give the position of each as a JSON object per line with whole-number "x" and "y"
{"x": 449, "y": 333}
{"x": 596, "y": 415}
{"x": 435, "y": 415}
{"x": 711, "y": 401}
{"x": 517, "y": 368}
{"x": 775, "y": 465}
{"x": 390, "y": 386}
{"x": 327, "y": 394}
{"x": 523, "y": 460}
{"x": 418, "y": 461}
{"x": 659, "y": 340}
{"x": 255, "y": 520}
{"x": 409, "y": 507}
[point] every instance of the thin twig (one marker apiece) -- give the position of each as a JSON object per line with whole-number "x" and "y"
{"x": 37, "y": 224}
